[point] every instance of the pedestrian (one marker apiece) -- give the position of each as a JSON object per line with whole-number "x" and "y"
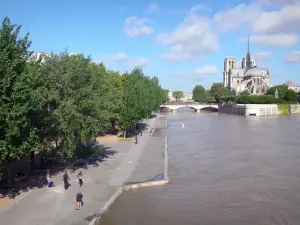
{"x": 136, "y": 139}
{"x": 80, "y": 177}
{"x": 49, "y": 179}
{"x": 141, "y": 132}
{"x": 66, "y": 180}
{"x": 79, "y": 202}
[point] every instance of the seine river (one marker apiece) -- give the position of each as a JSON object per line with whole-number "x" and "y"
{"x": 224, "y": 170}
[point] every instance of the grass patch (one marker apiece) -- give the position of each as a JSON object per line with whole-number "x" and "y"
{"x": 125, "y": 139}
{"x": 283, "y": 109}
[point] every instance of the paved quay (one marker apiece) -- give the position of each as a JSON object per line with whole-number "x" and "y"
{"x": 57, "y": 206}
{"x": 151, "y": 163}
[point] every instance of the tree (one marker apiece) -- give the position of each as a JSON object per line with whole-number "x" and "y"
{"x": 79, "y": 96}
{"x": 113, "y": 80}
{"x": 282, "y": 89}
{"x": 244, "y": 93}
{"x": 141, "y": 96}
{"x": 218, "y": 90}
{"x": 178, "y": 94}
{"x": 21, "y": 96}
{"x": 199, "y": 93}
{"x": 165, "y": 95}
{"x": 290, "y": 96}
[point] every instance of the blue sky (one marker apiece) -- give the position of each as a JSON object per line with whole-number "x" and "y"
{"x": 184, "y": 43}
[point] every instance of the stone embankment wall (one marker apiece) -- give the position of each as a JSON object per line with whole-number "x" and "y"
{"x": 293, "y": 109}
{"x": 256, "y": 109}
{"x": 249, "y": 109}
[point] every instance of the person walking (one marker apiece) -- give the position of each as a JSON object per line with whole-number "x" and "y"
{"x": 66, "y": 180}
{"x": 80, "y": 177}
{"x": 79, "y": 202}
{"x": 136, "y": 139}
{"x": 49, "y": 179}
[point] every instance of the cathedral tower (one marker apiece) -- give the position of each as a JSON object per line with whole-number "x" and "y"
{"x": 229, "y": 63}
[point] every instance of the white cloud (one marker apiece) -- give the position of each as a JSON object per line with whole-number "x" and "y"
{"x": 293, "y": 57}
{"x": 279, "y": 40}
{"x": 259, "y": 19}
{"x": 277, "y": 2}
{"x": 119, "y": 57}
{"x": 198, "y": 73}
{"x": 152, "y": 8}
{"x": 206, "y": 70}
{"x": 200, "y": 7}
{"x": 139, "y": 62}
{"x": 237, "y": 16}
{"x": 277, "y": 18}
{"x": 135, "y": 27}
{"x": 190, "y": 40}
{"x": 287, "y": 19}
{"x": 260, "y": 56}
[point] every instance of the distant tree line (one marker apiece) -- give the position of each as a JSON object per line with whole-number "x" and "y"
{"x": 218, "y": 93}
{"x": 64, "y": 99}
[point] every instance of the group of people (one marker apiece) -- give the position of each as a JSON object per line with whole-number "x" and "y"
{"x": 66, "y": 179}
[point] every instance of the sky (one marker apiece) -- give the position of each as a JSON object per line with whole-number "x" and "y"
{"x": 183, "y": 43}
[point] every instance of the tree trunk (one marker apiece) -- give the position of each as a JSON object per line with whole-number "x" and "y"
{"x": 125, "y": 132}
{"x": 9, "y": 174}
{"x": 32, "y": 160}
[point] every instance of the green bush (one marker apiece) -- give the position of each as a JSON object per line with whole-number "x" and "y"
{"x": 283, "y": 109}
{"x": 290, "y": 96}
{"x": 258, "y": 99}
{"x": 243, "y": 93}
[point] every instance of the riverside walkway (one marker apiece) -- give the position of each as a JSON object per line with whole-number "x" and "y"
{"x": 56, "y": 206}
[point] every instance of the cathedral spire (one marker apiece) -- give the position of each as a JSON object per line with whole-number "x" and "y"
{"x": 248, "y": 45}
{"x": 248, "y": 57}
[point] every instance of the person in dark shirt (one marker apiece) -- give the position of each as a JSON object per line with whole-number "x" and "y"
{"x": 79, "y": 202}
{"x": 66, "y": 180}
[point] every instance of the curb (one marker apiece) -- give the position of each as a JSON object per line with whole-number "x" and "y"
{"x": 166, "y": 163}
{"x": 145, "y": 184}
{"x": 120, "y": 190}
{"x": 111, "y": 200}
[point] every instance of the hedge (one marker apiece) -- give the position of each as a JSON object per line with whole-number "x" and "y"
{"x": 258, "y": 99}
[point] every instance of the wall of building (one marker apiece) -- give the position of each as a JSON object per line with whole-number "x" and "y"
{"x": 249, "y": 109}
{"x": 293, "y": 109}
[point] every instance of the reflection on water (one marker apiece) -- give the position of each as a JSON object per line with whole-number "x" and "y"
{"x": 224, "y": 170}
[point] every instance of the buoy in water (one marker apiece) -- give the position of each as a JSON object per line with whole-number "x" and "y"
{"x": 182, "y": 125}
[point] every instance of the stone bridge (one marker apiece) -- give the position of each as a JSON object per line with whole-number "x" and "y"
{"x": 196, "y": 106}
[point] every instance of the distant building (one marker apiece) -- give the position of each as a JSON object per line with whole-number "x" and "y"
{"x": 187, "y": 97}
{"x": 292, "y": 86}
{"x": 245, "y": 75}
{"x": 170, "y": 95}
{"x": 36, "y": 56}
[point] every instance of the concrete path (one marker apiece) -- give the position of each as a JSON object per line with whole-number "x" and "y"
{"x": 57, "y": 206}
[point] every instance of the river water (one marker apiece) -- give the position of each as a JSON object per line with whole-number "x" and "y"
{"x": 224, "y": 170}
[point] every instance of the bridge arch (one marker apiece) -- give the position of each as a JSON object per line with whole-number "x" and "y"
{"x": 210, "y": 108}
{"x": 195, "y": 106}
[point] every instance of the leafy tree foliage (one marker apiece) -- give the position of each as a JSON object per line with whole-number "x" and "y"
{"x": 218, "y": 90}
{"x": 178, "y": 94}
{"x": 258, "y": 99}
{"x": 21, "y": 95}
{"x": 141, "y": 95}
{"x": 66, "y": 99}
{"x": 282, "y": 89}
{"x": 290, "y": 96}
{"x": 199, "y": 93}
{"x": 245, "y": 92}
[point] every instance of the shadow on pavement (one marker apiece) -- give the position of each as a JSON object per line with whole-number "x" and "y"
{"x": 56, "y": 165}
